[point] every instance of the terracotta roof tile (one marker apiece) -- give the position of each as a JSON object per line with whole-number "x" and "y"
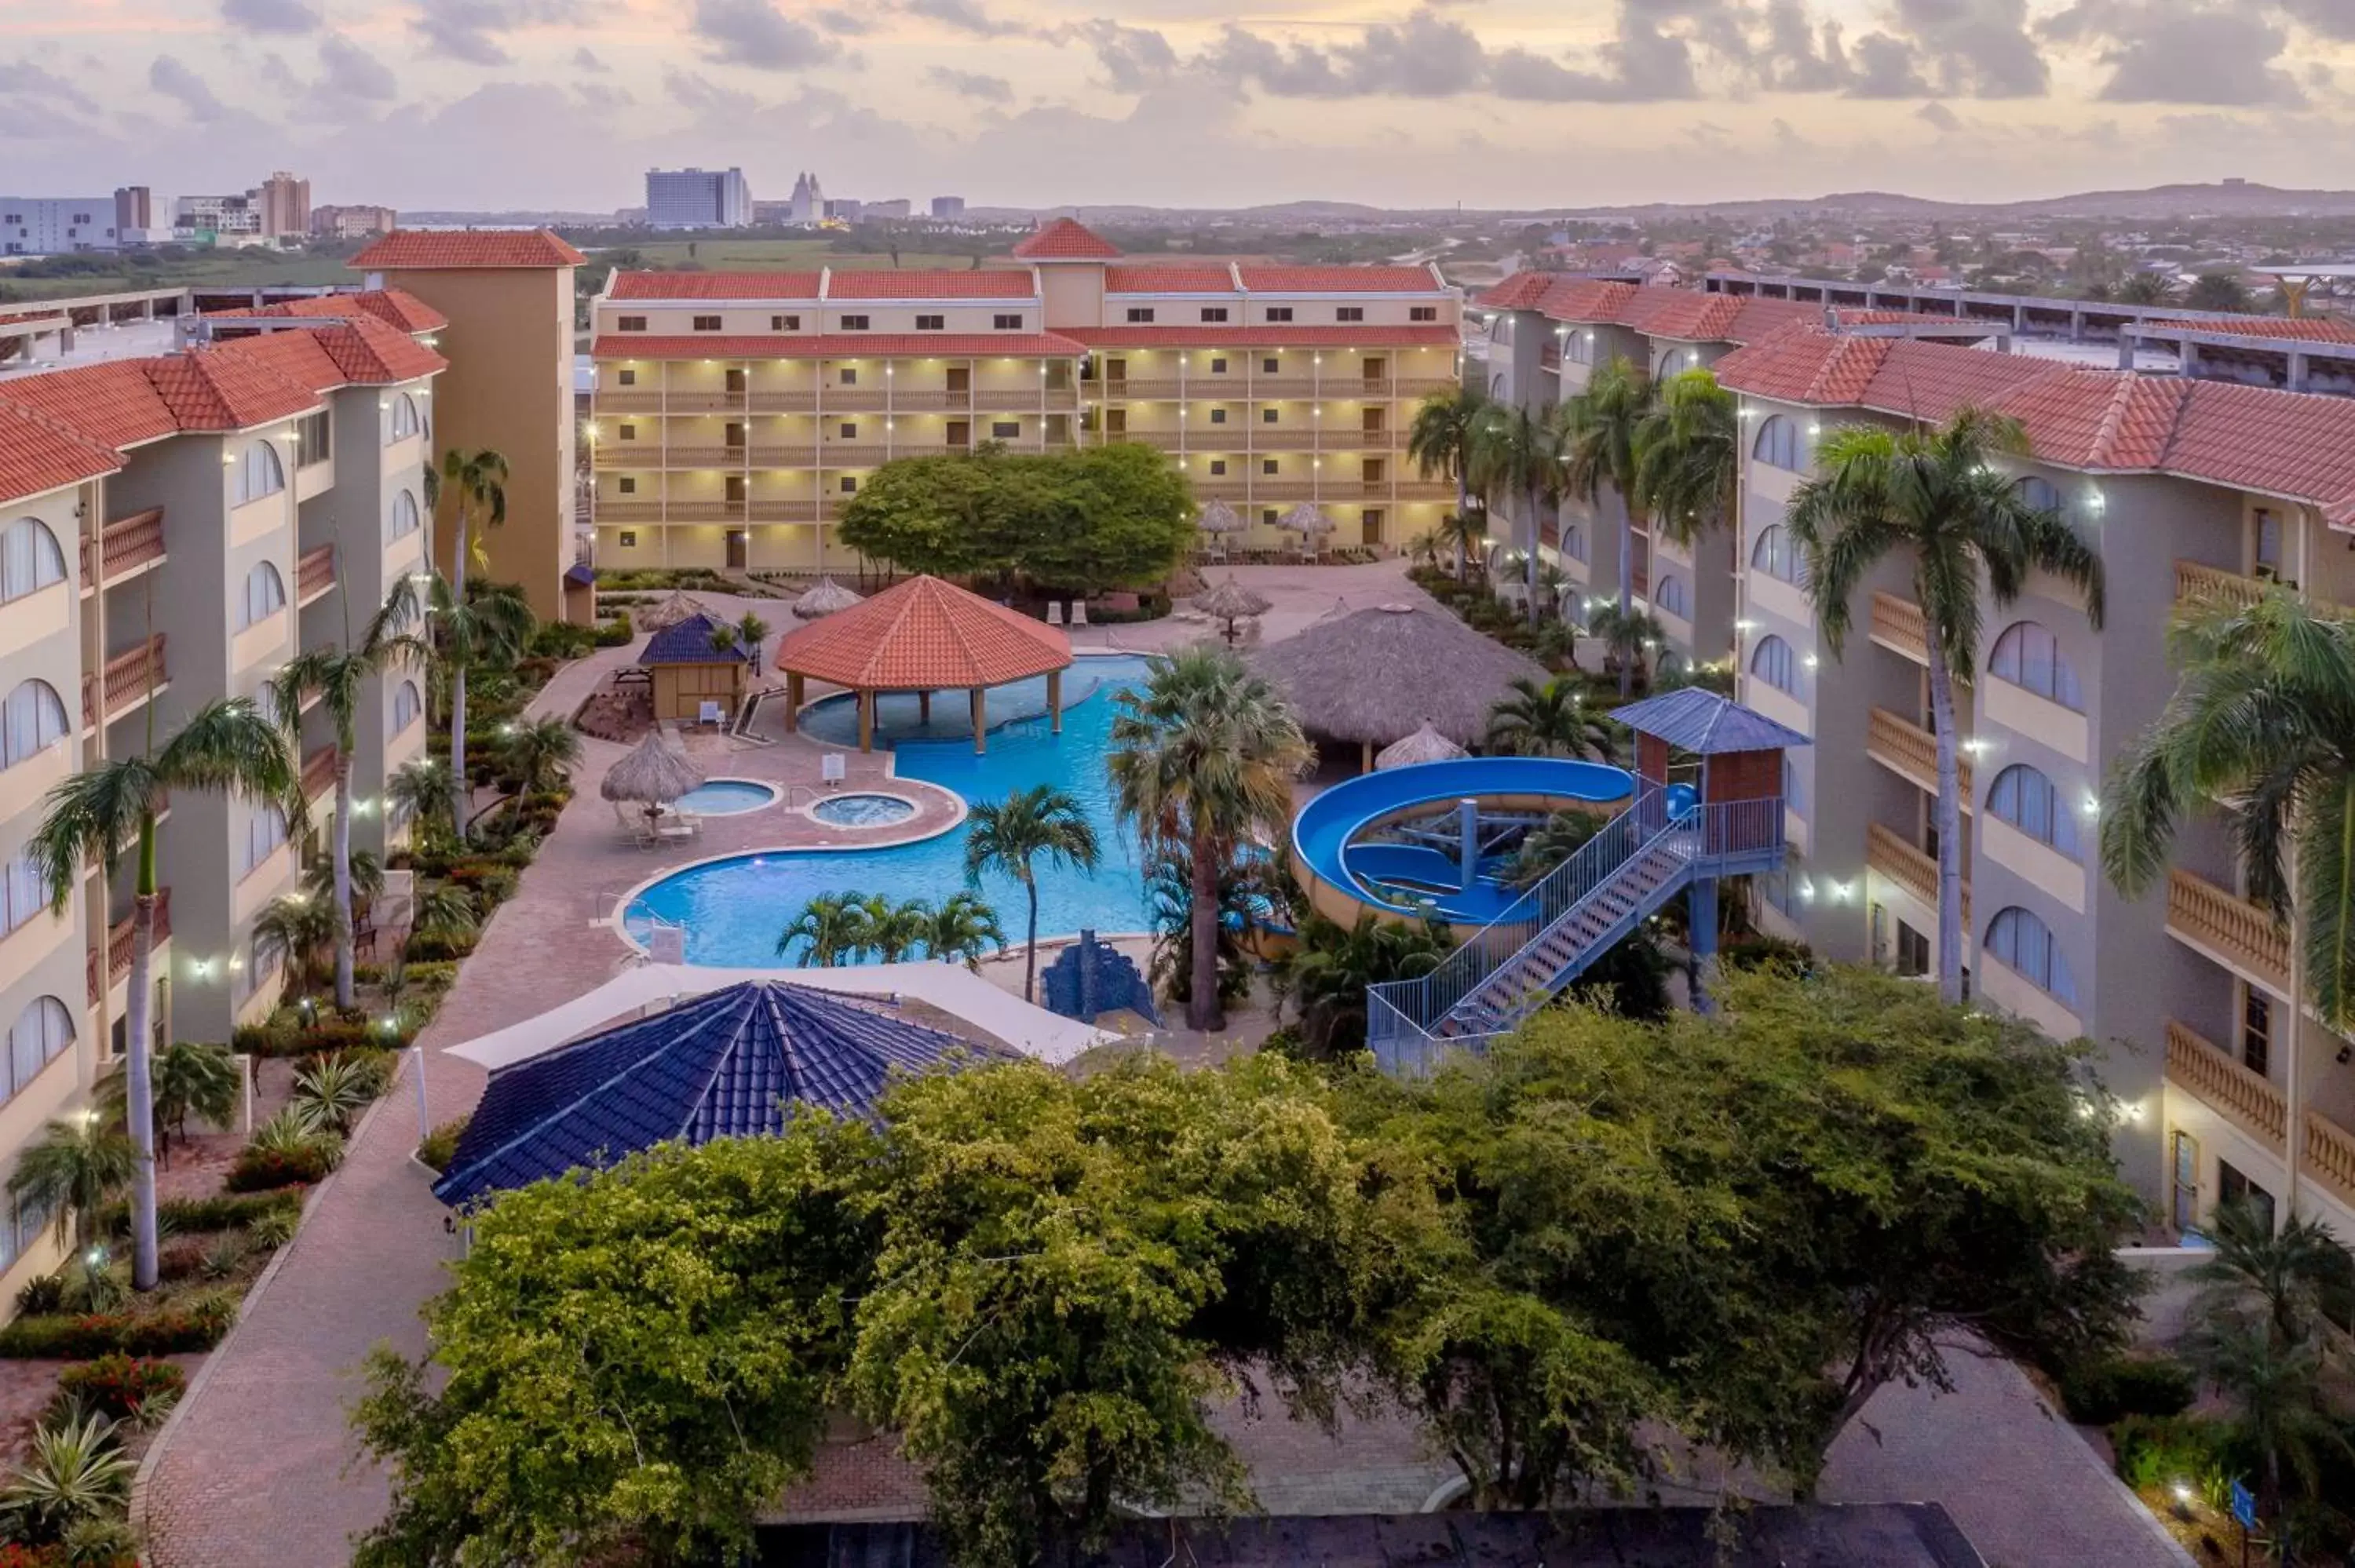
{"x": 113, "y": 403}
{"x": 1521, "y": 292}
{"x": 295, "y": 353}
{"x": 221, "y": 389}
{"x": 942, "y": 284}
{"x": 1265, "y": 335}
{"x": 1066, "y": 239}
{"x": 396, "y": 307}
{"x": 1802, "y": 366}
{"x": 2304, "y": 329}
{"x": 1584, "y": 301}
{"x": 1935, "y": 381}
{"x": 370, "y": 354}
{"x": 716, "y": 285}
{"x": 1340, "y": 281}
{"x": 465, "y": 250}
{"x": 39, "y": 455}
{"x": 923, "y": 634}
{"x": 1685, "y": 314}
{"x": 2254, "y": 438}
{"x": 836, "y": 345}
{"x": 1182, "y": 280}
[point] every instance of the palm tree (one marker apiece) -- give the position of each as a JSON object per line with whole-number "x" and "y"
{"x": 1517, "y": 452}
{"x": 419, "y": 789}
{"x": 485, "y": 625}
{"x": 1599, "y": 432}
{"x": 961, "y": 928}
{"x": 1169, "y": 895}
{"x": 367, "y": 877}
{"x": 296, "y": 927}
{"x": 893, "y": 928}
{"x": 1010, "y": 835}
{"x": 1466, "y": 531}
{"x": 2148, "y": 289}
{"x": 1439, "y": 441}
{"x": 191, "y": 1079}
{"x": 342, "y": 679}
{"x": 79, "y": 1164}
{"x": 98, "y": 814}
{"x": 1689, "y": 455}
{"x": 2279, "y": 1390}
{"x": 1936, "y": 496}
{"x": 1628, "y": 635}
{"x": 1204, "y": 756}
{"x": 752, "y": 635}
{"x": 833, "y": 924}
{"x": 446, "y": 910}
{"x": 540, "y": 755}
{"x": 2290, "y": 1280}
{"x": 1540, "y": 720}
{"x": 478, "y": 480}
{"x": 1333, "y": 966}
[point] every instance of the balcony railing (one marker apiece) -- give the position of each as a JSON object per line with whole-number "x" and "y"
{"x": 318, "y": 773}
{"x": 1421, "y": 386}
{"x": 917, "y": 400}
{"x": 314, "y": 573}
{"x": 2248, "y": 1098}
{"x": 1161, "y": 387}
{"x": 627, "y": 511}
{"x": 128, "y": 680}
{"x": 704, "y": 511}
{"x": 2233, "y": 931}
{"x": 782, "y": 510}
{"x": 1911, "y": 750}
{"x": 121, "y": 938}
{"x": 788, "y": 456}
{"x": 2198, "y": 580}
{"x": 703, "y": 457}
{"x": 1355, "y": 490}
{"x": 1897, "y": 625}
{"x": 2330, "y": 1154}
{"x": 703, "y": 402}
{"x": 127, "y": 544}
{"x": 1426, "y": 490}
{"x": 853, "y": 399}
{"x": 1911, "y": 869}
{"x": 1291, "y": 386}
{"x": 783, "y": 402}
{"x": 1284, "y": 489}
{"x": 632, "y": 402}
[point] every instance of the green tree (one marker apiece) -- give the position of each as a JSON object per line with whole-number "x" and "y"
{"x": 1535, "y": 720}
{"x": 1104, "y": 517}
{"x": 2218, "y": 292}
{"x": 1550, "y": 843}
{"x": 1935, "y": 496}
{"x": 342, "y": 680}
{"x": 1600, "y": 430}
{"x": 893, "y": 930}
{"x": 1467, "y": 531}
{"x": 419, "y": 791}
{"x": 1329, "y": 971}
{"x": 477, "y": 482}
{"x": 1011, "y": 836}
{"x": 832, "y": 928}
{"x": 1204, "y": 755}
{"x": 2262, "y": 728}
{"x": 540, "y": 754}
{"x": 2148, "y": 289}
{"x": 93, "y": 818}
{"x": 963, "y": 928}
{"x": 1631, "y": 637}
{"x": 1169, "y": 900}
{"x": 753, "y": 636}
{"x": 1689, "y": 456}
{"x": 942, "y": 515}
{"x": 193, "y": 1078}
{"x": 296, "y": 927}
{"x": 77, "y": 1165}
{"x": 1519, "y": 453}
{"x": 1439, "y": 441}
{"x": 636, "y": 1362}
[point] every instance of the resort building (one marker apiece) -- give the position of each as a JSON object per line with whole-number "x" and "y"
{"x": 172, "y": 530}
{"x": 736, "y": 414}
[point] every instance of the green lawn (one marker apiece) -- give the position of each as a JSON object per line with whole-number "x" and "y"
{"x": 228, "y": 267}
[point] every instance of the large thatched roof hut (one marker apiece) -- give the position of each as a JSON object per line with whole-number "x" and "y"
{"x": 1378, "y": 675}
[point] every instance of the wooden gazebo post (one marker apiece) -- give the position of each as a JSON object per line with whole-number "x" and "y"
{"x": 793, "y": 701}
{"x": 1054, "y": 702}
{"x": 980, "y": 720}
{"x": 866, "y": 718}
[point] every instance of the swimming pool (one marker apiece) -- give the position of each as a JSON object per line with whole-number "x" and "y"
{"x": 862, "y": 811}
{"x": 727, "y": 797}
{"x": 733, "y": 909}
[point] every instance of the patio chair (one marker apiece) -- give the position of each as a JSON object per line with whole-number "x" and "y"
{"x": 1079, "y": 612}
{"x": 711, "y": 714}
{"x": 634, "y": 823}
{"x": 1054, "y": 612}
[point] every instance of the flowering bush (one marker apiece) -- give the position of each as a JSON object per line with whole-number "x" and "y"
{"x": 121, "y": 1386}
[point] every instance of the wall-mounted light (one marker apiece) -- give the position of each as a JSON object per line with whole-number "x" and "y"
{"x": 1810, "y": 660}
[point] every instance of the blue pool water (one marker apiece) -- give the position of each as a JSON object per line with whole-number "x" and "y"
{"x": 862, "y": 811}
{"x": 727, "y": 797}
{"x": 733, "y": 909}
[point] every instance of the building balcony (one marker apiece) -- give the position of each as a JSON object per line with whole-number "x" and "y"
{"x": 787, "y": 455}
{"x": 604, "y": 511}
{"x": 1426, "y": 490}
{"x": 2198, "y": 580}
{"x": 703, "y": 511}
{"x": 782, "y": 510}
{"x": 1354, "y": 489}
{"x": 631, "y": 402}
{"x": 1052, "y": 400}
{"x": 1911, "y": 752}
{"x": 1283, "y": 490}
{"x": 1113, "y": 387}
{"x": 846, "y": 454}
{"x": 319, "y": 773}
{"x": 853, "y": 399}
{"x": 1421, "y": 386}
{"x": 2257, "y": 1107}
{"x": 129, "y": 679}
{"x": 703, "y": 402}
{"x": 315, "y": 575}
{"x": 1888, "y": 854}
{"x": 783, "y": 402}
{"x": 1897, "y": 625}
{"x": 128, "y": 546}
{"x": 121, "y": 941}
{"x": 702, "y": 457}
{"x": 2229, "y": 931}
{"x": 1294, "y": 387}
{"x": 1222, "y": 488}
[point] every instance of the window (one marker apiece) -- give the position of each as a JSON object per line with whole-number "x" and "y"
{"x": 408, "y": 703}
{"x": 1217, "y": 416}
{"x": 1214, "y": 312}
{"x": 849, "y": 485}
{"x": 1267, "y": 465}
{"x": 2028, "y": 944}
{"x": 854, "y": 324}
{"x": 2269, "y": 545}
{"x": 1267, "y": 415}
{"x": 23, "y": 895}
{"x": 1423, "y": 312}
{"x": 259, "y": 473}
{"x": 2039, "y": 492}
{"x": 627, "y": 484}
{"x": 314, "y": 435}
{"x": 1217, "y": 367}
{"x": 848, "y": 430}
{"x": 706, "y": 323}
{"x": 2033, "y": 803}
{"x": 2232, "y": 1187}
{"x": 632, "y": 324}
{"x": 265, "y": 595}
{"x": 39, "y": 1036}
{"x": 850, "y": 376}
{"x": 1669, "y": 596}
{"x": 784, "y": 323}
{"x": 1578, "y": 348}
{"x": 1007, "y": 323}
{"x": 1218, "y": 467}
{"x": 931, "y": 323}
{"x": 1278, "y": 313}
{"x": 1005, "y": 429}
{"x": 30, "y": 559}
{"x": 1349, "y": 312}
{"x": 402, "y": 423}
{"x": 627, "y": 377}
{"x": 33, "y": 720}
{"x": 1778, "y": 445}
{"x": 1574, "y": 541}
{"x": 265, "y": 831}
{"x": 629, "y": 432}
{"x": 1912, "y": 950}
{"x": 1140, "y": 312}
{"x": 1267, "y": 515}
{"x": 2256, "y": 1029}
{"x": 1770, "y": 661}
{"x": 1271, "y": 365}
{"x": 629, "y": 538}
{"x": 2029, "y": 656}
{"x": 1777, "y": 553}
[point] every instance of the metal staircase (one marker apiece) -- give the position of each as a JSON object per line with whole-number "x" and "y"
{"x": 1550, "y": 936}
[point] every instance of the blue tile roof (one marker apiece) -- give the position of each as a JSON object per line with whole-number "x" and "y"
{"x": 581, "y": 574}
{"x": 689, "y": 643}
{"x": 722, "y": 1066}
{"x": 1697, "y": 720}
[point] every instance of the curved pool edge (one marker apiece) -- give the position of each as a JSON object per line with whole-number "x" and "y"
{"x": 776, "y": 793}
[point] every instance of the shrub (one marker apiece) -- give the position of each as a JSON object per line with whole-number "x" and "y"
{"x": 433, "y": 947}
{"x": 226, "y": 1255}
{"x": 327, "y": 1036}
{"x": 2114, "y": 1387}
{"x": 2159, "y": 1450}
{"x": 616, "y": 632}
{"x": 181, "y": 1257}
{"x": 490, "y": 878}
{"x": 276, "y": 1228}
{"x": 227, "y": 1212}
{"x": 100, "y": 1541}
{"x": 119, "y": 1386}
{"x": 77, "y": 1471}
{"x": 441, "y": 1145}
{"x": 41, "y": 1294}
{"x": 198, "y": 1325}
{"x": 1756, "y": 949}
{"x": 268, "y": 1169}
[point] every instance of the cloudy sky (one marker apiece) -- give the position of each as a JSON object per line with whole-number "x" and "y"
{"x": 482, "y": 103}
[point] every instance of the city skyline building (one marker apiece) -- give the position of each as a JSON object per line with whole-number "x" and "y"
{"x": 56, "y": 226}
{"x": 697, "y": 199}
{"x": 285, "y": 203}
{"x": 807, "y": 206}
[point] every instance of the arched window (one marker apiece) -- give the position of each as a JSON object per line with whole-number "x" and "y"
{"x": 404, "y": 520}
{"x": 266, "y": 595}
{"x": 2029, "y": 656}
{"x": 1497, "y": 386}
{"x": 42, "y": 1033}
{"x": 1578, "y": 347}
{"x": 264, "y": 831}
{"x": 2028, "y": 944}
{"x": 2040, "y": 493}
{"x": 407, "y": 703}
{"x": 1777, "y": 553}
{"x": 29, "y": 559}
{"x": 1573, "y": 541}
{"x": 1772, "y": 662}
{"x": 2033, "y": 804}
{"x": 33, "y": 720}
{"x": 1778, "y": 445}
{"x": 401, "y": 421}
{"x": 23, "y": 895}
{"x": 1666, "y": 364}
{"x": 259, "y": 473}
{"x": 1671, "y": 598}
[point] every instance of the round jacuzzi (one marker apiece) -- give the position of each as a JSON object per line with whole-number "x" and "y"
{"x": 727, "y": 796}
{"x": 864, "y": 810}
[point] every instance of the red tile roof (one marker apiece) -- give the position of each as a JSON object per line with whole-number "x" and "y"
{"x": 1185, "y": 279}
{"x": 838, "y": 346}
{"x": 2304, "y": 329}
{"x": 397, "y": 307}
{"x": 371, "y": 354}
{"x": 1265, "y": 336}
{"x": 1340, "y": 280}
{"x": 2283, "y": 443}
{"x": 716, "y": 285}
{"x": 297, "y": 356}
{"x": 113, "y": 403}
{"x": 464, "y": 250}
{"x": 39, "y": 455}
{"x": 223, "y": 389}
{"x": 923, "y": 634}
{"x": 1521, "y": 292}
{"x": 941, "y": 284}
{"x": 1066, "y": 239}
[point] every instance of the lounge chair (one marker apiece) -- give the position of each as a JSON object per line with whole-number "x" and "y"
{"x": 1054, "y": 612}
{"x": 711, "y": 714}
{"x": 634, "y": 823}
{"x": 1079, "y": 612}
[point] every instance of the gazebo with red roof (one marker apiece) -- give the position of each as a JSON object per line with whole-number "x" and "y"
{"x": 924, "y": 636}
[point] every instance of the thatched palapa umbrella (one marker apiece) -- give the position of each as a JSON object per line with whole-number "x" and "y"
{"x": 678, "y": 606}
{"x": 1426, "y": 745}
{"x": 1231, "y": 602}
{"x": 1376, "y": 676}
{"x": 824, "y": 599}
{"x": 1219, "y": 520}
{"x": 1309, "y": 524}
{"x": 654, "y": 774}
